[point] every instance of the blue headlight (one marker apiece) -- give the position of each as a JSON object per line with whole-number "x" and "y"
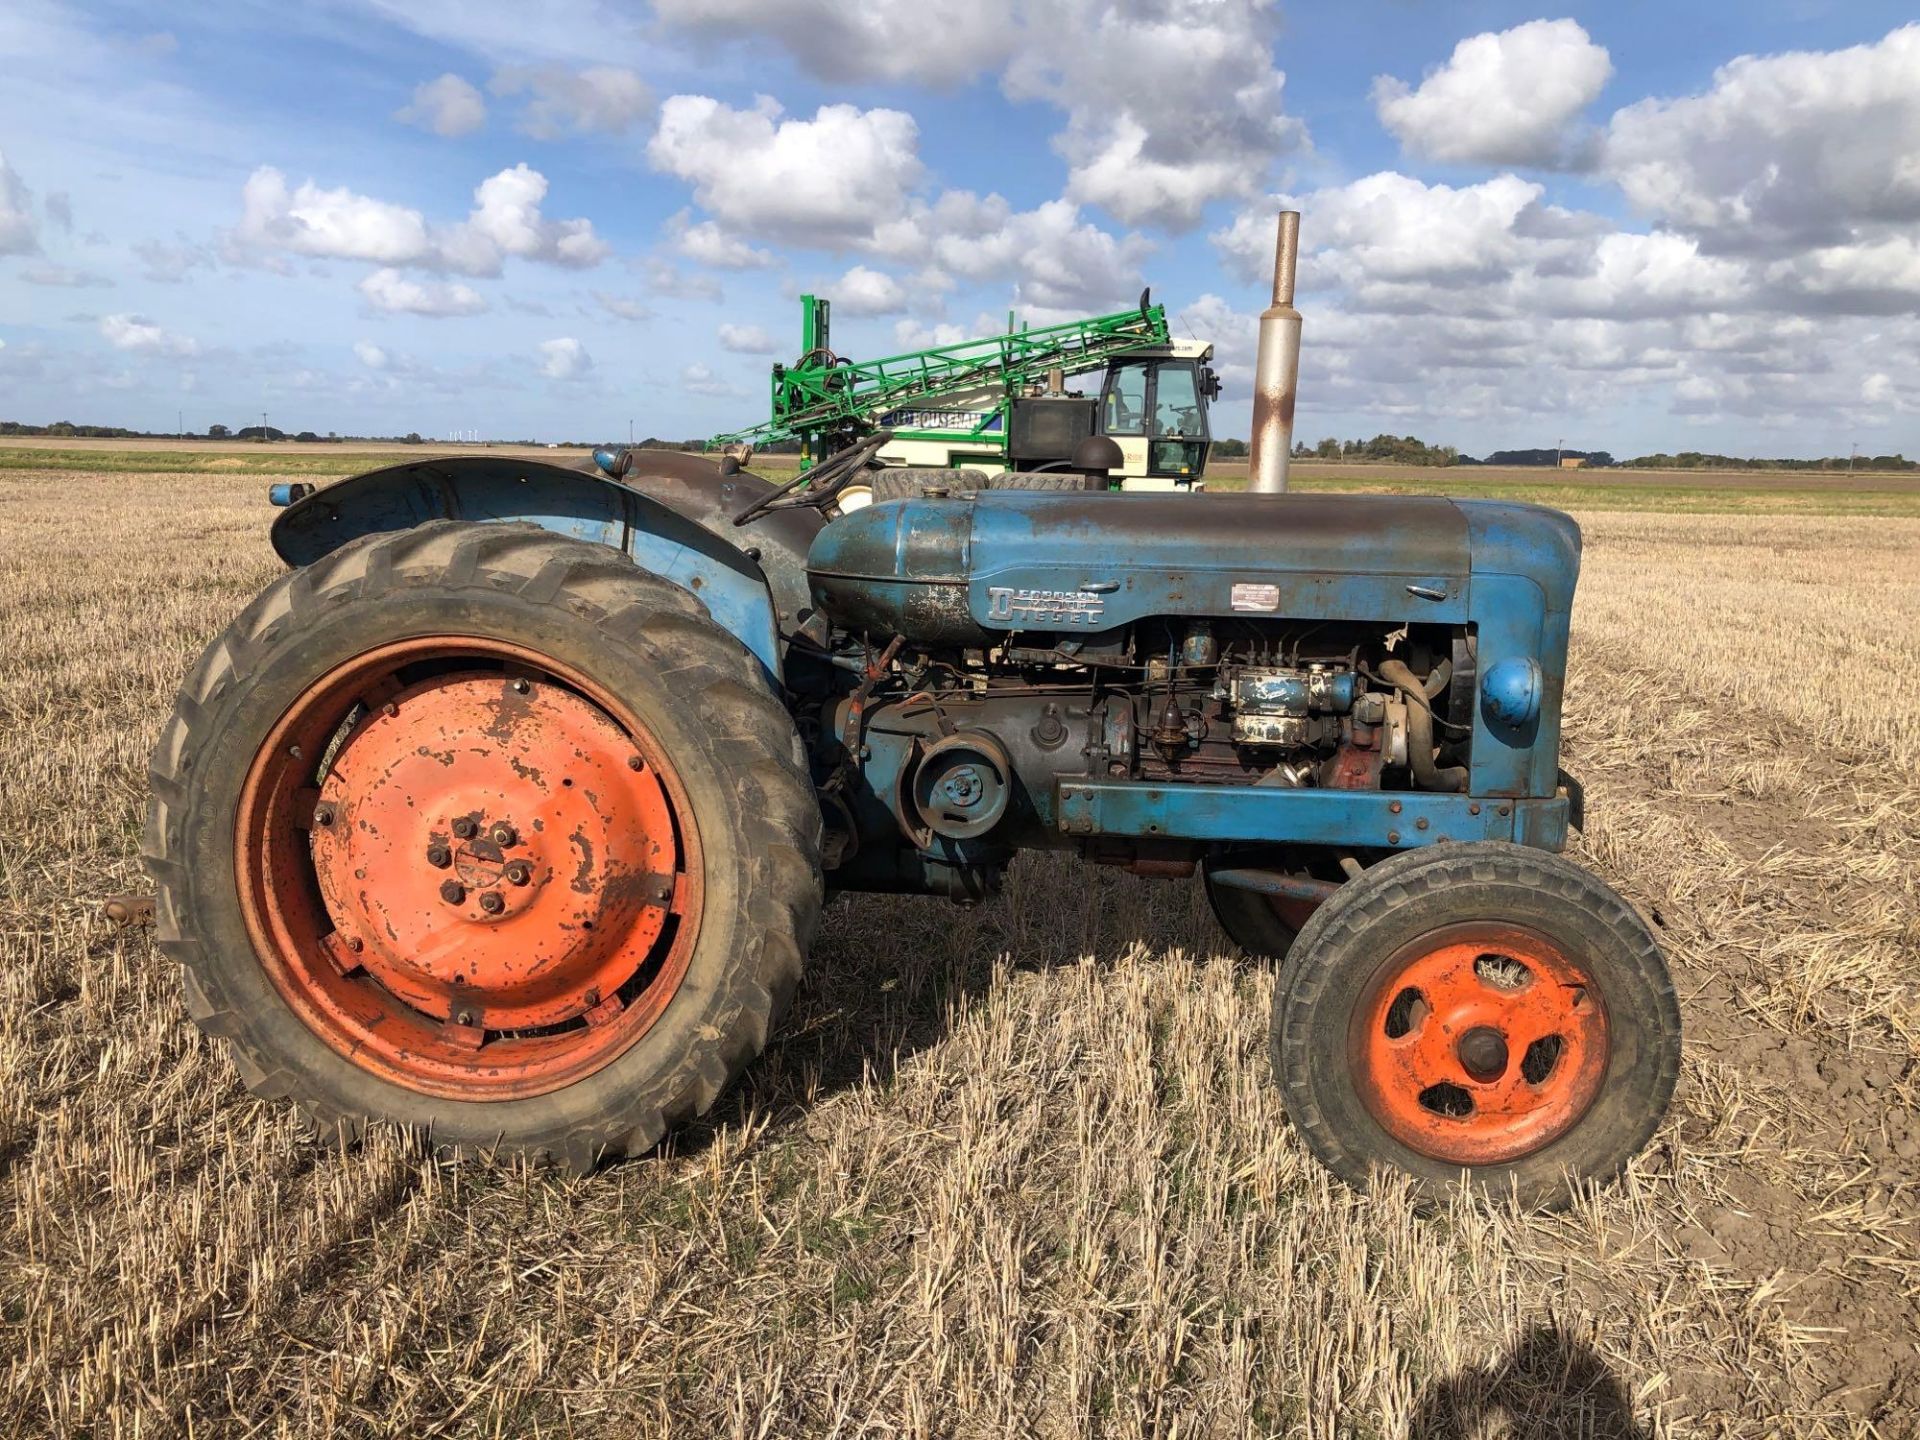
{"x": 1510, "y": 691}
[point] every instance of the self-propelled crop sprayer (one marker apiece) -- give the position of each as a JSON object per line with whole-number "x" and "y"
{"x": 507, "y": 812}
{"x": 1001, "y": 402}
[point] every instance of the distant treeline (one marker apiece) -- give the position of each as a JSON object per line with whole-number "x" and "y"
{"x": 1410, "y": 450}
{"x": 1695, "y": 460}
{"x": 1393, "y": 449}
{"x": 1548, "y": 458}
{"x": 1382, "y": 449}
{"x": 66, "y": 428}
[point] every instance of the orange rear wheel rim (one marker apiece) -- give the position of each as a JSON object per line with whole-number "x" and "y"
{"x": 1479, "y": 1043}
{"x": 468, "y": 869}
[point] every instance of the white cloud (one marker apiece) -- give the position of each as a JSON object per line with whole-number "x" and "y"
{"x": 335, "y": 224}
{"x": 1399, "y": 246}
{"x": 698, "y": 379}
{"x": 824, "y": 181}
{"x": 370, "y": 355}
{"x": 448, "y": 106}
{"x": 1658, "y": 274}
{"x": 139, "y": 334}
{"x": 942, "y": 43}
{"x": 1055, "y": 259}
{"x": 1392, "y": 227}
{"x": 391, "y": 293}
{"x": 1481, "y": 305}
{"x": 1877, "y": 388}
{"x": 707, "y": 243}
{"x": 846, "y": 180}
{"x": 868, "y": 292}
{"x": 1169, "y": 105}
{"x": 608, "y": 99}
{"x": 339, "y": 224}
{"x": 508, "y": 216}
{"x": 170, "y": 264}
{"x": 1233, "y": 330}
{"x": 1782, "y": 150}
{"x": 665, "y": 278}
{"x": 747, "y": 340}
{"x": 564, "y": 359}
{"x": 1877, "y": 276}
{"x": 912, "y": 335}
{"x": 621, "y": 307}
{"x": 65, "y": 275}
{"x": 1503, "y": 98}
{"x": 19, "y": 235}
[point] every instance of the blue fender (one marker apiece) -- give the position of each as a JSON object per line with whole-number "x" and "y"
{"x": 573, "y": 503}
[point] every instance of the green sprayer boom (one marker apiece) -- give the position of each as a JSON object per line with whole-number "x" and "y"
{"x": 823, "y": 394}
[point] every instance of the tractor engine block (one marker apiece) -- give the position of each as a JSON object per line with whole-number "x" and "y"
{"x": 941, "y": 765}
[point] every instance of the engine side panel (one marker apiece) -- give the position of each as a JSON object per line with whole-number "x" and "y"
{"x": 1090, "y": 562}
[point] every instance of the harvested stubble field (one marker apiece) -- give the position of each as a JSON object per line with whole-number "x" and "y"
{"x": 1013, "y": 1171}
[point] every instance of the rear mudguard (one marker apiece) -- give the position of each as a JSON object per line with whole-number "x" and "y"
{"x": 673, "y": 515}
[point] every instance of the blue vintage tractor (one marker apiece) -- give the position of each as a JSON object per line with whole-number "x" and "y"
{"x": 508, "y": 811}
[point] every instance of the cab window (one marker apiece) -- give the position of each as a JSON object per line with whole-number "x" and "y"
{"x": 1126, "y": 401}
{"x": 1176, "y": 410}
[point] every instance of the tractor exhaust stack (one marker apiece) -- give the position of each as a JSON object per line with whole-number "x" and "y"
{"x": 1276, "y": 370}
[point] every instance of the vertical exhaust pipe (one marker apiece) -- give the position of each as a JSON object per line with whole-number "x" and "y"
{"x": 1276, "y": 370}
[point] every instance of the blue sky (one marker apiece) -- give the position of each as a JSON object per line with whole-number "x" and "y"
{"x": 1638, "y": 227}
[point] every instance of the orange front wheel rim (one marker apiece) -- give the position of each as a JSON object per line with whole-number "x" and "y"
{"x": 467, "y": 868}
{"x": 1479, "y": 1044}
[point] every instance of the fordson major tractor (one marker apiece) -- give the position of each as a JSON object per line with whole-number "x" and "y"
{"x": 508, "y": 811}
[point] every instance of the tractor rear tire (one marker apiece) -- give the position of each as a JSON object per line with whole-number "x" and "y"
{"x": 382, "y": 882}
{"x": 1480, "y": 1010}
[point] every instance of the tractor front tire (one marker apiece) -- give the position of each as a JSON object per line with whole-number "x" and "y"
{"x": 488, "y": 833}
{"x": 1485, "y": 1011}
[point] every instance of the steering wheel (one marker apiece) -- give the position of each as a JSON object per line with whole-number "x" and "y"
{"x": 822, "y": 482}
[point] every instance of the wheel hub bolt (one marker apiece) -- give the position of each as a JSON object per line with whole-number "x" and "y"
{"x": 463, "y": 828}
{"x": 492, "y": 902}
{"x": 453, "y": 892}
{"x": 439, "y": 856}
{"x": 323, "y": 815}
{"x": 519, "y": 872}
{"x": 503, "y": 834}
{"x": 1483, "y": 1053}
